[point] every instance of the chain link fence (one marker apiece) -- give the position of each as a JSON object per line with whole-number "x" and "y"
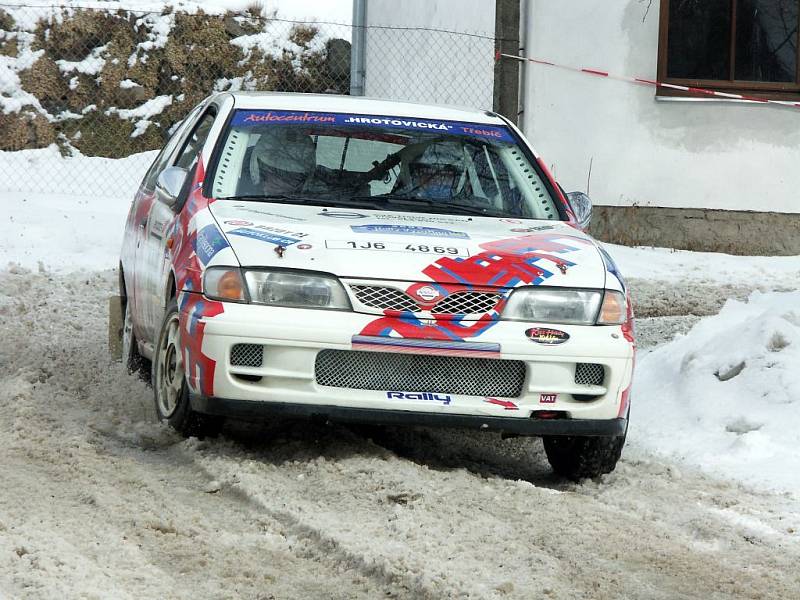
{"x": 80, "y": 86}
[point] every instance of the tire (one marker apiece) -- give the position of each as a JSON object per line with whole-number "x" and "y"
{"x": 135, "y": 363}
{"x": 170, "y": 390}
{"x": 577, "y": 457}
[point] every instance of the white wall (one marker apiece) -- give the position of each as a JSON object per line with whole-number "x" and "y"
{"x": 652, "y": 153}
{"x": 646, "y": 152}
{"x": 431, "y": 66}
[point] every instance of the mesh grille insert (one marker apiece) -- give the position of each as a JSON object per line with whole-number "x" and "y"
{"x": 384, "y": 297}
{"x": 467, "y": 303}
{"x": 386, "y": 371}
{"x": 247, "y": 355}
{"x": 589, "y": 374}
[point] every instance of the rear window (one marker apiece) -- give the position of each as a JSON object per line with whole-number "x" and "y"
{"x": 379, "y": 162}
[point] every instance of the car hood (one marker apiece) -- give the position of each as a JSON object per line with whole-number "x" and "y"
{"x": 402, "y": 246}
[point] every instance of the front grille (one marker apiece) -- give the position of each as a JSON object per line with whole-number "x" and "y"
{"x": 384, "y": 297}
{"x": 467, "y": 303}
{"x": 457, "y": 303}
{"x": 589, "y": 374}
{"x": 386, "y": 371}
{"x": 247, "y": 355}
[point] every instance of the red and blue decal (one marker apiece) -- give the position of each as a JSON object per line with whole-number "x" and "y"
{"x": 527, "y": 260}
{"x": 412, "y": 346}
{"x": 190, "y": 251}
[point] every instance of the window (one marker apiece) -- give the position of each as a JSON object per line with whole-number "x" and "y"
{"x": 163, "y": 159}
{"x": 383, "y": 163}
{"x": 191, "y": 149}
{"x": 739, "y": 46}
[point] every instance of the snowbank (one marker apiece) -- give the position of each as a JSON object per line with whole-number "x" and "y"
{"x": 70, "y": 230}
{"x": 726, "y": 396}
{"x": 683, "y": 266}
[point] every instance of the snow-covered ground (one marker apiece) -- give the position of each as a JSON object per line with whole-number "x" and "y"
{"x": 97, "y": 500}
{"x": 335, "y": 11}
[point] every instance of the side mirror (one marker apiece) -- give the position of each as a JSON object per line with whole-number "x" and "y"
{"x": 582, "y": 207}
{"x": 169, "y": 184}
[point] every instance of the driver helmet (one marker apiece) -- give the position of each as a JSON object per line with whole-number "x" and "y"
{"x": 282, "y": 160}
{"x": 436, "y": 173}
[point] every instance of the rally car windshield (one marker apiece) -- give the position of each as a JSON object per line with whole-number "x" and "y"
{"x": 381, "y": 163}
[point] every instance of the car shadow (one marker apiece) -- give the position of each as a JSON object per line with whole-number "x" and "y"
{"x": 487, "y": 455}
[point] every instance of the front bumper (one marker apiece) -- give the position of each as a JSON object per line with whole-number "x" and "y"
{"x": 286, "y": 382}
{"x": 531, "y": 426}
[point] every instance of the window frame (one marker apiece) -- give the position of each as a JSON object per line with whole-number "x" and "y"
{"x": 765, "y": 89}
{"x": 210, "y": 111}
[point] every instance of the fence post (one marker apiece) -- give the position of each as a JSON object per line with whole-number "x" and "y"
{"x": 506, "y": 72}
{"x": 359, "y": 48}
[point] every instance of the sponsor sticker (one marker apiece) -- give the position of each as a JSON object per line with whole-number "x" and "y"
{"x": 256, "y": 211}
{"x": 208, "y": 242}
{"x": 238, "y": 223}
{"x": 434, "y": 232}
{"x": 250, "y": 118}
{"x": 264, "y": 236}
{"x": 532, "y": 229}
{"x": 419, "y": 218}
{"x": 548, "y": 398}
{"x": 443, "y": 398}
{"x": 442, "y": 250}
{"x": 546, "y": 336}
{"x": 304, "y": 246}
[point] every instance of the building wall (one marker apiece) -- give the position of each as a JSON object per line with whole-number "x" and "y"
{"x": 648, "y": 152}
{"x": 650, "y": 158}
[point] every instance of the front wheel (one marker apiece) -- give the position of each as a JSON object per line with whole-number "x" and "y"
{"x": 579, "y": 457}
{"x": 169, "y": 384}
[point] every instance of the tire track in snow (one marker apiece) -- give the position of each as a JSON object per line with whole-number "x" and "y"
{"x": 643, "y": 532}
{"x": 404, "y": 522}
{"x": 98, "y": 503}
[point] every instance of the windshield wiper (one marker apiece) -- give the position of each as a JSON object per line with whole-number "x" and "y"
{"x": 270, "y": 198}
{"x": 316, "y": 201}
{"x": 441, "y": 207}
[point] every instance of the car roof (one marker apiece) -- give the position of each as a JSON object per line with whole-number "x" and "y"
{"x": 359, "y": 105}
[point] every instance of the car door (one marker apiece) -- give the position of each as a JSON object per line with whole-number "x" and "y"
{"x": 152, "y": 256}
{"x": 136, "y": 227}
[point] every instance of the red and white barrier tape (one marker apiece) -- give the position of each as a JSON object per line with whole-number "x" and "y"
{"x": 657, "y": 84}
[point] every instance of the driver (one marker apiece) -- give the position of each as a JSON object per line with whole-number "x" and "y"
{"x": 282, "y": 160}
{"x": 437, "y": 173}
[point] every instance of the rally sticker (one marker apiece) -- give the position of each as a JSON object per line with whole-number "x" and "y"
{"x": 443, "y": 398}
{"x": 444, "y": 250}
{"x": 547, "y": 337}
{"x": 208, "y": 242}
{"x": 435, "y": 232}
{"x": 264, "y": 236}
{"x": 245, "y": 118}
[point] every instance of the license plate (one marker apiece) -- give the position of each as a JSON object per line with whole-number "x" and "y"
{"x": 438, "y": 249}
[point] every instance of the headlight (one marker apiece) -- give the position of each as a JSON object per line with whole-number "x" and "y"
{"x": 303, "y": 290}
{"x": 550, "y": 305}
{"x": 568, "y": 307}
{"x": 224, "y": 283}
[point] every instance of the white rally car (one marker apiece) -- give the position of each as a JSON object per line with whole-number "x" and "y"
{"x": 369, "y": 261}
